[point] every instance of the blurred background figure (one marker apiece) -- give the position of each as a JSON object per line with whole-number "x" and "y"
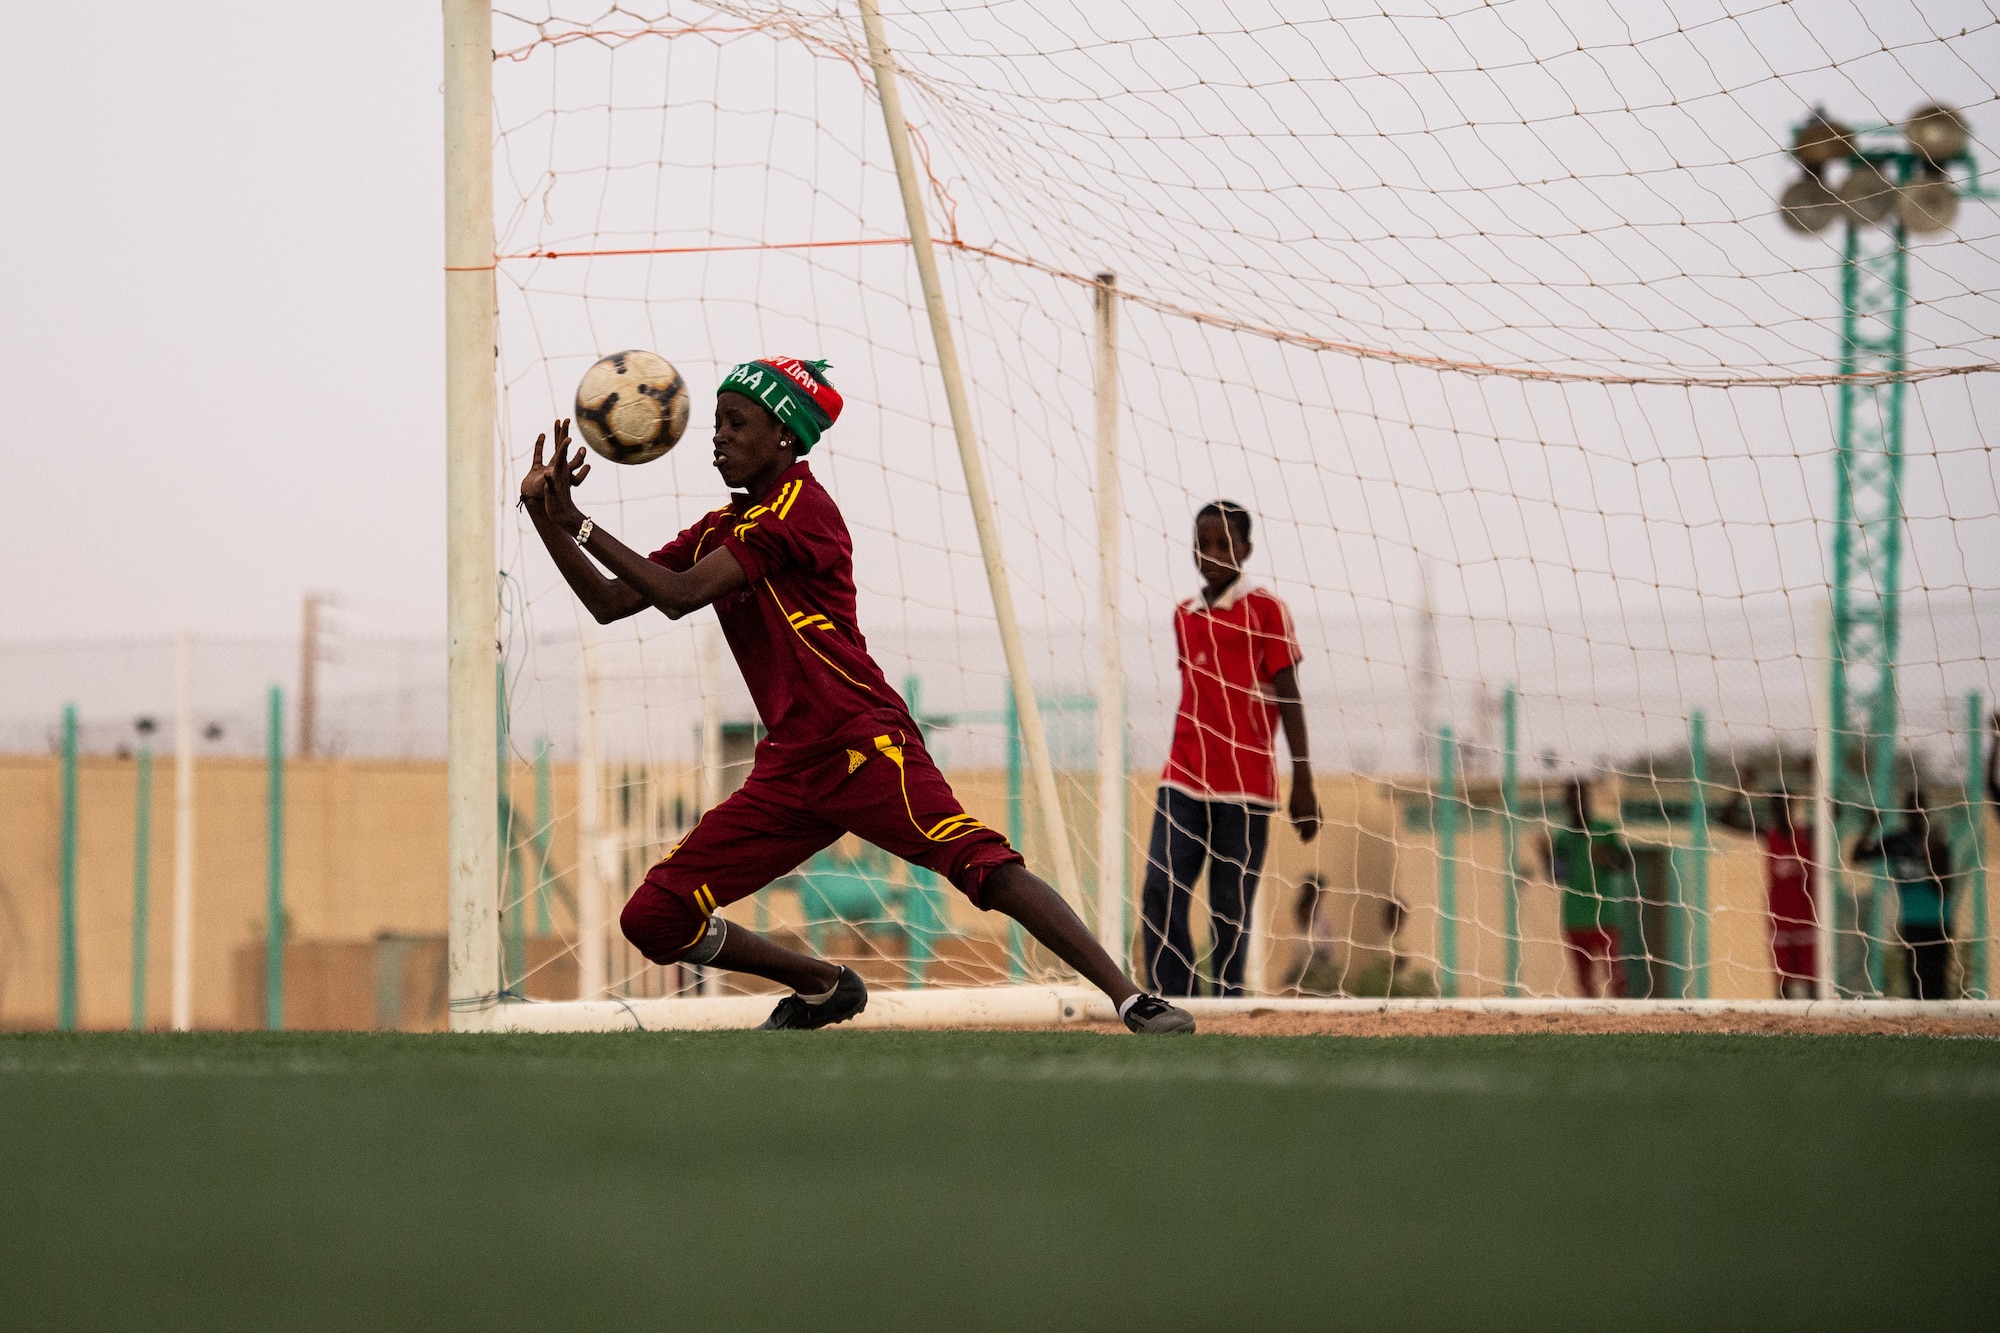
{"x": 1586, "y": 858}
{"x": 1313, "y": 960}
{"x": 1993, "y": 762}
{"x": 1916, "y": 860}
{"x": 1789, "y": 880}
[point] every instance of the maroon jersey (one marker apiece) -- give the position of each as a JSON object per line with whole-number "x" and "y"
{"x": 793, "y": 629}
{"x": 1224, "y": 748}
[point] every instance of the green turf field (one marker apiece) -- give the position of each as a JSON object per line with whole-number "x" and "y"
{"x": 997, "y": 1181}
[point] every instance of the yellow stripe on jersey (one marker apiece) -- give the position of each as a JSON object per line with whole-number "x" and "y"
{"x": 785, "y": 508}
{"x": 779, "y": 602}
{"x": 779, "y": 504}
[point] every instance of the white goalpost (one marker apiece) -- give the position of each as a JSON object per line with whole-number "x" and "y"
{"x": 1047, "y": 800}
{"x": 1110, "y": 681}
{"x": 1542, "y": 514}
{"x": 471, "y": 586}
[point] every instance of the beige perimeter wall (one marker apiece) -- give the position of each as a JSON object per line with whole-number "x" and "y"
{"x": 364, "y": 857}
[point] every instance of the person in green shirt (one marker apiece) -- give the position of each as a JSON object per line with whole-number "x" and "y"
{"x": 1585, "y": 857}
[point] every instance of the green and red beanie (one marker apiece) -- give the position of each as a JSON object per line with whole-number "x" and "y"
{"x": 793, "y": 391}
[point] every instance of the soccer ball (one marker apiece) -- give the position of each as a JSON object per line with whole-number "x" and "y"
{"x": 631, "y": 407}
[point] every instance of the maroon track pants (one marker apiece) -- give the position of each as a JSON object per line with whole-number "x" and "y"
{"x": 887, "y": 791}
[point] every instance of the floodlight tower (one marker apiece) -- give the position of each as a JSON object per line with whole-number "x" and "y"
{"x": 1898, "y": 182}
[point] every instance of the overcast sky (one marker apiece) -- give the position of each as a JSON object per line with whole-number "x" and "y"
{"x": 221, "y": 349}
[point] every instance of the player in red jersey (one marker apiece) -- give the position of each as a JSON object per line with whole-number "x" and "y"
{"x": 841, "y": 752}
{"x": 1788, "y": 877}
{"x": 1238, "y": 662}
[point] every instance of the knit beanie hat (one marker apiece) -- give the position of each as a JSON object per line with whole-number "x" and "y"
{"x": 795, "y": 392}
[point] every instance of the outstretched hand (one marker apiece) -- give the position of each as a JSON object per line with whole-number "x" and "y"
{"x": 549, "y": 483}
{"x": 535, "y": 484}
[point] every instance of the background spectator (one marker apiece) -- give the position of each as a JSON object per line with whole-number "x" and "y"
{"x": 1916, "y": 860}
{"x": 1789, "y": 880}
{"x": 1585, "y": 857}
{"x": 1238, "y": 660}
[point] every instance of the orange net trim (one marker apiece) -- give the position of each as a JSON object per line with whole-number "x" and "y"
{"x": 1235, "y": 324}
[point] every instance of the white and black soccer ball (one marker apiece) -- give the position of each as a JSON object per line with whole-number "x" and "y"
{"x": 631, "y": 407}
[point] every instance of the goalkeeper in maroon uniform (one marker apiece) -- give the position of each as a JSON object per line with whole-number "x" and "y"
{"x": 841, "y": 752}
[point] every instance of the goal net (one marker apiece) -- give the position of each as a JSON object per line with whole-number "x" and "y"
{"x": 1485, "y": 313}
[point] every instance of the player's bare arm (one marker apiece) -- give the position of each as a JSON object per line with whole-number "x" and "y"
{"x": 1303, "y": 807}
{"x": 635, "y": 583}
{"x": 606, "y": 599}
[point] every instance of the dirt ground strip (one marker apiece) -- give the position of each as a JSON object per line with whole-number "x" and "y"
{"x": 1463, "y": 1023}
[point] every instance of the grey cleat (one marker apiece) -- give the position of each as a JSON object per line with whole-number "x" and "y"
{"x": 1150, "y": 1013}
{"x": 849, "y": 998}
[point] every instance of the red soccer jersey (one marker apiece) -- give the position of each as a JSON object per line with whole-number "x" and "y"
{"x": 1788, "y": 870}
{"x": 793, "y": 629}
{"x": 1223, "y": 746}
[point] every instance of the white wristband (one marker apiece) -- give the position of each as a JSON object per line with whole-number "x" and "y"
{"x": 583, "y": 533}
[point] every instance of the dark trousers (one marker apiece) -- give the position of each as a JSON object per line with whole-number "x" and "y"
{"x": 1230, "y": 838}
{"x": 1926, "y": 961}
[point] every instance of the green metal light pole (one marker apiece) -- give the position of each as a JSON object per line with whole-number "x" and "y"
{"x": 513, "y": 905}
{"x": 1897, "y": 182}
{"x": 142, "y": 877}
{"x": 1975, "y": 869}
{"x": 1510, "y": 831}
{"x": 1446, "y": 811}
{"x": 1699, "y": 849}
{"x": 66, "y": 887}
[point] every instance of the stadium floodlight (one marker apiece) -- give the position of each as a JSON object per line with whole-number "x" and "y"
{"x": 1867, "y": 193}
{"x": 1937, "y": 137}
{"x": 1808, "y": 206}
{"x": 1818, "y": 142}
{"x": 1908, "y": 183}
{"x": 1928, "y": 204}
{"x": 1937, "y": 134}
{"x": 1891, "y": 189}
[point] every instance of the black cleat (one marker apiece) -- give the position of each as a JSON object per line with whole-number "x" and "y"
{"x": 793, "y": 1014}
{"x": 1150, "y": 1013}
